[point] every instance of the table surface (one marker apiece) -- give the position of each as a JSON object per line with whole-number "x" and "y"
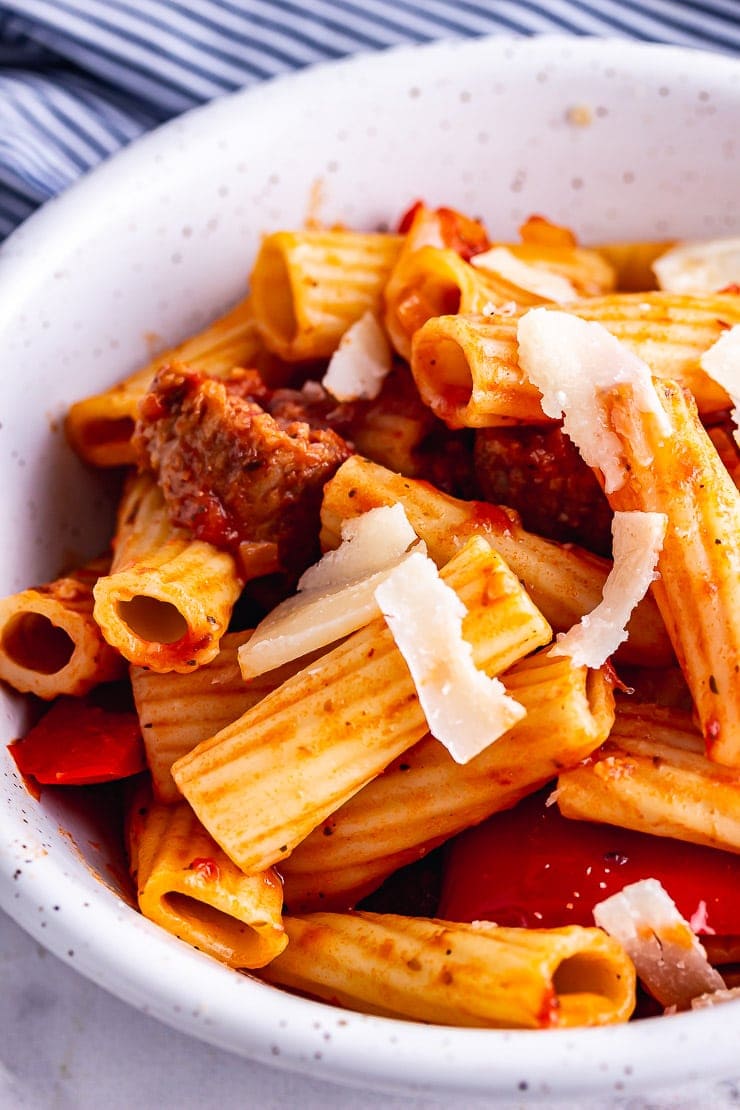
{"x": 68, "y": 1045}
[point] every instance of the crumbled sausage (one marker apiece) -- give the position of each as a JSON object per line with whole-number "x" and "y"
{"x": 539, "y": 473}
{"x": 239, "y": 463}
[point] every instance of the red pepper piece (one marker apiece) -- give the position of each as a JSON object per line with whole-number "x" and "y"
{"x": 78, "y": 742}
{"x": 532, "y": 867}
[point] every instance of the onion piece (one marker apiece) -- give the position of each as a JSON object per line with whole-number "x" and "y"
{"x": 638, "y": 540}
{"x": 465, "y": 709}
{"x": 670, "y": 960}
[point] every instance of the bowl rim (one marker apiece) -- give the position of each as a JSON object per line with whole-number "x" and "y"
{"x": 270, "y": 1025}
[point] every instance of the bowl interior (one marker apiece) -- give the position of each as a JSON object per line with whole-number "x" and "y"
{"x": 617, "y": 141}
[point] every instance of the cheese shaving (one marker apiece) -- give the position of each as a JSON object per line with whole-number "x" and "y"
{"x": 465, "y": 709}
{"x": 371, "y": 541}
{"x": 638, "y": 541}
{"x": 336, "y": 595}
{"x": 669, "y": 958}
{"x": 722, "y": 363}
{"x": 361, "y": 362}
{"x": 572, "y": 362}
{"x": 700, "y": 267}
{"x": 535, "y": 279}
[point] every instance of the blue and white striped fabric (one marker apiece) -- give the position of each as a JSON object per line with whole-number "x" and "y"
{"x": 80, "y": 78}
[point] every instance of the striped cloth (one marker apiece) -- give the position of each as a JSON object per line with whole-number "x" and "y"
{"x": 80, "y": 78}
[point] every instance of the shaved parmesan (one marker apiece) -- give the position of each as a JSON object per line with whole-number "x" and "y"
{"x": 535, "y": 279}
{"x": 722, "y": 363}
{"x": 465, "y": 709}
{"x": 669, "y": 959}
{"x": 700, "y": 267}
{"x": 638, "y": 540}
{"x": 336, "y": 596}
{"x": 371, "y": 541}
{"x": 359, "y": 366}
{"x": 573, "y": 361}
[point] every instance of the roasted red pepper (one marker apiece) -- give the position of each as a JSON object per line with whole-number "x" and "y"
{"x": 460, "y": 233}
{"x": 79, "y": 742}
{"x": 532, "y": 867}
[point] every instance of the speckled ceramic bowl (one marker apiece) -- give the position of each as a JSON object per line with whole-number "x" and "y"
{"x": 614, "y": 139}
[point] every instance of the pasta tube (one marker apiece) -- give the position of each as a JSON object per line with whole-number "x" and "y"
{"x": 168, "y": 598}
{"x": 263, "y": 783}
{"x": 434, "y": 281}
{"x": 588, "y": 271}
{"x": 453, "y": 974}
{"x": 99, "y": 428}
{"x": 49, "y": 642}
{"x": 424, "y": 797}
{"x": 177, "y": 711}
{"x": 563, "y": 581}
{"x": 187, "y": 885}
{"x": 632, "y": 262}
{"x": 682, "y": 476}
{"x": 652, "y": 775}
{"x": 308, "y": 287}
{"x": 467, "y": 368}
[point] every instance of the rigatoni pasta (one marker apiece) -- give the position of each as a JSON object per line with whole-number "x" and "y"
{"x": 423, "y": 798}
{"x": 49, "y": 642}
{"x": 309, "y": 286}
{"x": 453, "y": 974}
{"x": 653, "y": 757}
{"x": 168, "y": 599}
{"x": 188, "y": 886}
{"x": 563, "y": 581}
{"x": 330, "y": 778}
{"x": 99, "y": 428}
{"x": 262, "y": 784}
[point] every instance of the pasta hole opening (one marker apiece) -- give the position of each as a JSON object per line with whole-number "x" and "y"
{"x": 31, "y": 640}
{"x": 453, "y": 369}
{"x": 99, "y": 433}
{"x": 153, "y": 620}
{"x": 438, "y": 297}
{"x": 585, "y": 973}
{"x": 215, "y": 931}
{"x": 278, "y": 307}
{"x": 433, "y": 296}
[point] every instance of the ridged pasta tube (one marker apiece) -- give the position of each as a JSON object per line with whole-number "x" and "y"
{"x": 263, "y": 783}
{"x": 682, "y": 476}
{"x": 186, "y": 884}
{"x": 99, "y": 428}
{"x": 452, "y": 974}
{"x": 168, "y": 599}
{"x": 178, "y": 711}
{"x": 652, "y": 775}
{"x": 435, "y": 281}
{"x": 308, "y": 287}
{"x": 563, "y": 581}
{"x": 424, "y": 797}
{"x": 466, "y": 367}
{"x": 50, "y": 644}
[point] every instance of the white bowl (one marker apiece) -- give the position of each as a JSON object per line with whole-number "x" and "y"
{"x": 160, "y": 239}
